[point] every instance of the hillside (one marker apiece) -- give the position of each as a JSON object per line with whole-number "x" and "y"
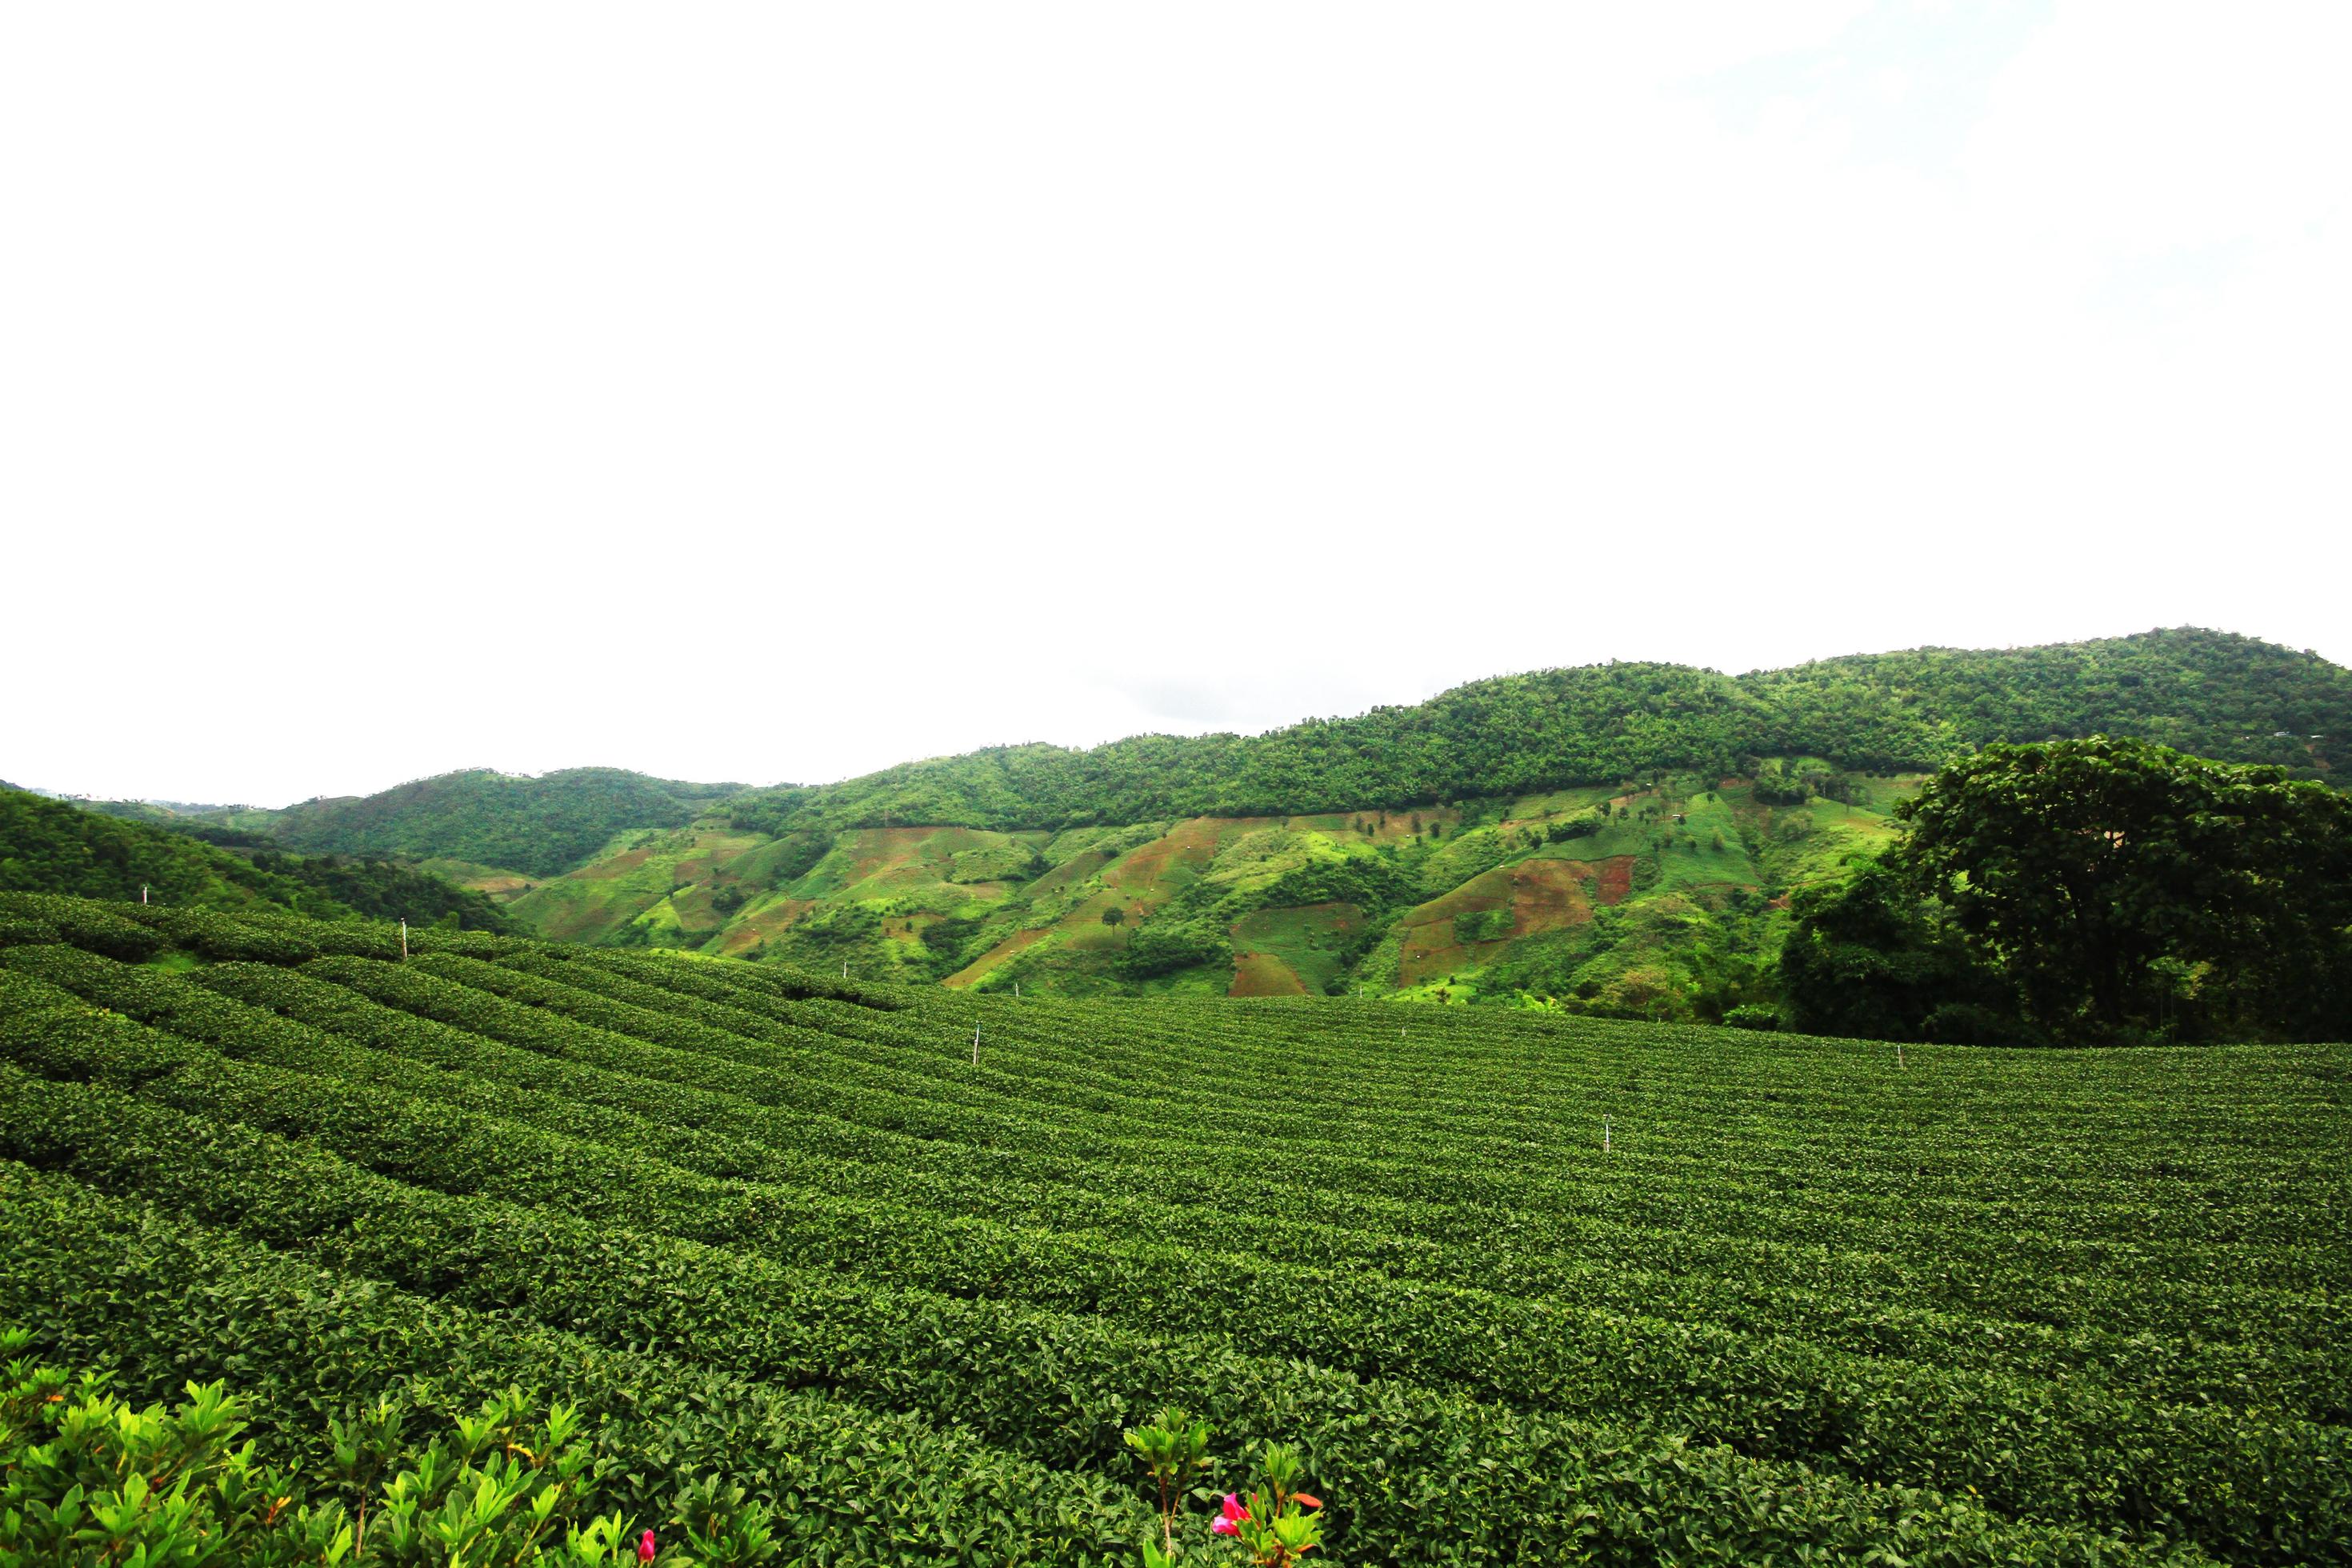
{"x": 538, "y": 825}
{"x": 58, "y": 846}
{"x": 2207, "y": 692}
{"x": 1619, "y": 840}
{"x": 1657, "y": 900}
{"x": 901, "y": 1264}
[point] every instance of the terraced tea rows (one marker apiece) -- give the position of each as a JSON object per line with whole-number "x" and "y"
{"x": 1799, "y": 1302}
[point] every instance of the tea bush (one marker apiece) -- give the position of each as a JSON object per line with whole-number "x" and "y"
{"x": 1806, "y": 1304}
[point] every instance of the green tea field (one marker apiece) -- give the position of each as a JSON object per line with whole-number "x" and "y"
{"x": 903, "y": 1263}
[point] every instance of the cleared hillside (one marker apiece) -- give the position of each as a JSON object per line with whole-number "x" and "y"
{"x": 1653, "y": 898}
{"x": 1523, "y": 1289}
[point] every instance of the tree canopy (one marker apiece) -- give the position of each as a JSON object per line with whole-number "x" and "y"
{"x": 2087, "y": 890}
{"x": 53, "y": 847}
{"x": 2121, "y": 885}
{"x": 542, "y": 825}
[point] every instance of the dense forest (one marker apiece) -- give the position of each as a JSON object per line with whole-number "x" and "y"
{"x": 2212, "y": 693}
{"x": 541, "y": 825}
{"x": 53, "y": 847}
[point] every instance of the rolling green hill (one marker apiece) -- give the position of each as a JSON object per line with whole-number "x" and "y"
{"x": 2207, "y": 692}
{"x": 1621, "y": 838}
{"x": 56, "y": 846}
{"x": 1618, "y": 838}
{"x": 890, "y": 1268}
{"x": 538, "y": 825}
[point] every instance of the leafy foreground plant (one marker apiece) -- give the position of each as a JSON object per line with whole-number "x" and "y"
{"x": 87, "y": 1478}
{"x": 1277, "y": 1525}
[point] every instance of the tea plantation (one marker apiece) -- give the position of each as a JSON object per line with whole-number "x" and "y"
{"x": 796, "y": 1256}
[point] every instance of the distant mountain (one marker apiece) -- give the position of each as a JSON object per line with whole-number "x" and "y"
{"x": 1619, "y": 837}
{"x": 2211, "y": 693}
{"x": 539, "y": 824}
{"x": 59, "y": 847}
{"x": 1615, "y": 837}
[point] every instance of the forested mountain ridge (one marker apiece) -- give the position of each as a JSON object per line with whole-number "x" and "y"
{"x": 2212, "y": 693}
{"x": 1620, "y": 837}
{"x": 540, "y": 824}
{"x": 500, "y": 829}
{"x": 55, "y": 846}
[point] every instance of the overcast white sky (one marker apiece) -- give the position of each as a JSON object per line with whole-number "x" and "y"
{"x": 779, "y": 392}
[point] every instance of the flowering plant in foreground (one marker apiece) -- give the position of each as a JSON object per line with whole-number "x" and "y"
{"x": 1275, "y": 1522}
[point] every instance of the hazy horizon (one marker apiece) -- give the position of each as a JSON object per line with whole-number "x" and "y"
{"x": 779, "y": 395}
{"x": 930, "y": 756}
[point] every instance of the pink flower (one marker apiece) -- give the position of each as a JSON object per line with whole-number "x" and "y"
{"x": 1229, "y": 1521}
{"x": 646, "y": 1547}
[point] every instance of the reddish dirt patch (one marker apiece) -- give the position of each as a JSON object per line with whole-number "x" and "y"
{"x": 1546, "y": 895}
{"x": 1542, "y": 894}
{"x": 1259, "y": 973}
{"x": 1076, "y": 868}
{"x": 1003, "y": 952}
{"x": 757, "y": 927}
{"x": 1427, "y": 946}
{"x": 576, "y": 922}
{"x": 706, "y": 860}
{"x": 604, "y": 870}
{"x": 1191, "y": 843}
{"x": 878, "y": 850}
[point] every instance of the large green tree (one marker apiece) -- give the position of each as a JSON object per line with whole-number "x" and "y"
{"x": 1873, "y": 958}
{"x": 2123, "y": 889}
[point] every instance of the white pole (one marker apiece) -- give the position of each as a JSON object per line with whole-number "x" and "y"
{"x": 142, "y": 892}
{"x": 975, "y": 1045}
{"x": 403, "y": 939}
{"x": 844, "y": 969}
{"x": 1604, "y": 1135}
{"x": 1898, "y": 1053}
